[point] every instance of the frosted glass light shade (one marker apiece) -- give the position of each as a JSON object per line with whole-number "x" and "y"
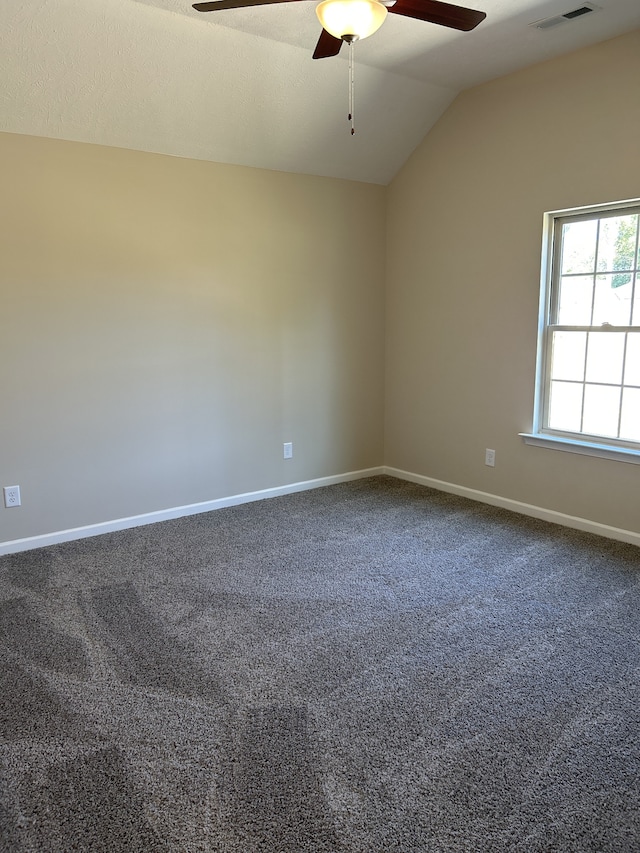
{"x": 360, "y": 18}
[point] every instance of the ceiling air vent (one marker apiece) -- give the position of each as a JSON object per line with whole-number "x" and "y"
{"x": 583, "y": 10}
{"x": 547, "y": 23}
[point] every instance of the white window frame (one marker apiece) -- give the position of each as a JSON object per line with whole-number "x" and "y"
{"x": 541, "y": 435}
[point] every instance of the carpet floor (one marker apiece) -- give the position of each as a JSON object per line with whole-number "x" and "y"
{"x": 372, "y": 667}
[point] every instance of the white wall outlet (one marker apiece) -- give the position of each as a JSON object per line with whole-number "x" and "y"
{"x": 287, "y": 450}
{"x": 490, "y": 458}
{"x": 11, "y": 496}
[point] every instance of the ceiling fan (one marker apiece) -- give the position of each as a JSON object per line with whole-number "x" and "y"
{"x": 350, "y": 20}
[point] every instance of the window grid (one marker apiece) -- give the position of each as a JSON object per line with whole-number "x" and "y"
{"x": 623, "y": 260}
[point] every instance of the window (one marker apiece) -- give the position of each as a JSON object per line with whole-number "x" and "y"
{"x": 588, "y": 374}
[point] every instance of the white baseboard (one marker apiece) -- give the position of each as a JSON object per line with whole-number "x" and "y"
{"x": 41, "y": 541}
{"x": 27, "y": 544}
{"x": 517, "y": 506}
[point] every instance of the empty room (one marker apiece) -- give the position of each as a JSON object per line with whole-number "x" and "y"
{"x": 320, "y": 434}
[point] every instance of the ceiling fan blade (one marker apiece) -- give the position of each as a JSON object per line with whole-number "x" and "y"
{"x": 328, "y": 45}
{"x": 215, "y": 5}
{"x": 435, "y": 12}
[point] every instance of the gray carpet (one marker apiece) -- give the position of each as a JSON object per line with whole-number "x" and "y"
{"x": 365, "y": 668}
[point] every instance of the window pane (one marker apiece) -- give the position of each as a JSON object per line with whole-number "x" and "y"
{"x": 568, "y": 355}
{"x": 565, "y": 406}
{"x": 617, "y": 242}
{"x": 579, "y": 246}
{"x": 604, "y": 357}
{"x": 601, "y": 410}
{"x": 576, "y": 297}
{"x": 630, "y": 421}
{"x": 612, "y": 303}
{"x": 632, "y": 361}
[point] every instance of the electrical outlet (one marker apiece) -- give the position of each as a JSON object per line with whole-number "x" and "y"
{"x": 490, "y": 458}
{"x": 11, "y": 496}
{"x": 287, "y": 450}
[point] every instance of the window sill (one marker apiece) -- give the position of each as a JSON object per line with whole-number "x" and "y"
{"x": 586, "y": 448}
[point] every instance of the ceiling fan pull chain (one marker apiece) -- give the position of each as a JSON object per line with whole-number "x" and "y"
{"x": 351, "y": 86}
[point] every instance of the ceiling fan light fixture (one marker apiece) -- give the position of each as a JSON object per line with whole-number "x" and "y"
{"x": 354, "y": 18}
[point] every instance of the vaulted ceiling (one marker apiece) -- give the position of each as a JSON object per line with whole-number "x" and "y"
{"x": 240, "y": 86}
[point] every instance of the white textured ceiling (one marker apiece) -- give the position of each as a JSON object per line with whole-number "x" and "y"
{"x": 241, "y": 87}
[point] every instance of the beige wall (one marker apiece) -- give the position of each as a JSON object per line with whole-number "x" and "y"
{"x": 464, "y": 237}
{"x": 167, "y": 324}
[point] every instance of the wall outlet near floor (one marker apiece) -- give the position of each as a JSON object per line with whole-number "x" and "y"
{"x": 490, "y": 458}
{"x": 287, "y": 450}
{"x": 11, "y": 496}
